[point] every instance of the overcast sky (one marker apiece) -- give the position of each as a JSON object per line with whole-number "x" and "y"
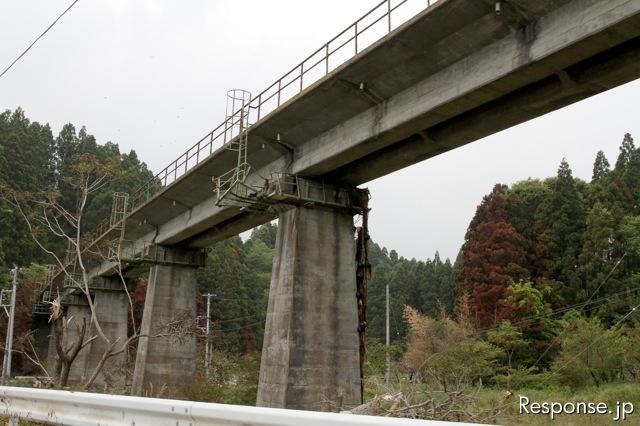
{"x": 151, "y": 75}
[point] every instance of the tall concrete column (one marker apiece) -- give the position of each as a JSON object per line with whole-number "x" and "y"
{"x": 112, "y": 311}
{"x": 310, "y": 355}
{"x": 42, "y": 334}
{"x": 52, "y": 355}
{"x": 76, "y": 313}
{"x": 167, "y": 361}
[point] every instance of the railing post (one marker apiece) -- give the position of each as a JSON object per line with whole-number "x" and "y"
{"x": 326, "y": 55}
{"x": 301, "y": 74}
{"x": 389, "y": 13}
{"x": 259, "y": 105}
{"x": 355, "y": 37}
{"x": 279, "y": 90}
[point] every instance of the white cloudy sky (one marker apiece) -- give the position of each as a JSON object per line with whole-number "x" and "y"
{"x": 151, "y": 75}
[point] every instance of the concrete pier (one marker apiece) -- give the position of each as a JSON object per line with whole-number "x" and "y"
{"x": 76, "y": 313}
{"x": 112, "y": 310}
{"x": 42, "y": 339}
{"x": 167, "y": 361}
{"x": 310, "y": 355}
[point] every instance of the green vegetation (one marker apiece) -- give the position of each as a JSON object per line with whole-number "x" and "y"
{"x": 35, "y": 164}
{"x": 233, "y": 379}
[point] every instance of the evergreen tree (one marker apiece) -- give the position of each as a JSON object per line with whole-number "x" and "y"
{"x": 436, "y": 287}
{"x": 376, "y": 303}
{"x": 560, "y": 225}
{"x": 523, "y": 201}
{"x": 33, "y": 162}
{"x": 596, "y": 257}
{"x": 600, "y": 166}
{"x": 626, "y": 149}
{"x": 631, "y": 178}
{"x": 239, "y": 308}
{"x": 492, "y": 257}
{"x": 26, "y": 166}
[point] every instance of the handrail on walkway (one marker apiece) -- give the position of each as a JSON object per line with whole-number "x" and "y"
{"x": 273, "y": 97}
{"x": 287, "y": 87}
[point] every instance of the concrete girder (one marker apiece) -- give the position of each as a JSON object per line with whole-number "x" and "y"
{"x": 440, "y": 91}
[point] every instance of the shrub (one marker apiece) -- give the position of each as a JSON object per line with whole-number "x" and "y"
{"x": 591, "y": 354}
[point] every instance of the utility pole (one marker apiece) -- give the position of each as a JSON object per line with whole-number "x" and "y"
{"x": 207, "y": 351}
{"x": 387, "y": 376}
{"x": 8, "y": 345}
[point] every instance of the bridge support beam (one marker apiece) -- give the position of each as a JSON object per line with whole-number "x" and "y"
{"x": 167, "y": 361}
{"x": 310, "y": 355}
{"x": 77, "y": 311}
{"x": 112, "y": 309}
{"x": 42, "y": 338}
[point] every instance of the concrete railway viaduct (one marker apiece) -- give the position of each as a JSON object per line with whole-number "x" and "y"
{"x": 457, "y": 71}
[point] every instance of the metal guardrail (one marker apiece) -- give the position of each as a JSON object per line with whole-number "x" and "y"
{"x": 349, "y": 42}
{"x": 77, "y": 408}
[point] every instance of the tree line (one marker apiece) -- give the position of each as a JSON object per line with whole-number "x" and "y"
{"x": 34, "y": 161}
{"x": 556, "y": 244}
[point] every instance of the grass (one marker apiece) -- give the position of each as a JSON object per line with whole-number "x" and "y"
{"x": 609, "y": 394}
{"x": 496, "y": 400}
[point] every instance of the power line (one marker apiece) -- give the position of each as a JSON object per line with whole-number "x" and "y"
{"x": 236, "y": 299}
{"x": 588, "y": 300}
{"x": 573, "y": 358}
{"x": 563, "y": 310}
{"x": 244, "y": 326}
{"x": 221, "y": 321}
{"x": 38, "y": 38}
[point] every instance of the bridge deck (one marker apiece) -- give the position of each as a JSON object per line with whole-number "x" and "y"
{"x": 454, "y": 73}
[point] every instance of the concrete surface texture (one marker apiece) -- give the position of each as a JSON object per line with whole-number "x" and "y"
{"x": 310, "y": 355}
{"x": 42, "y": 337}
{"x": 167, "y": 357}
{"x": 75, "y": 315}
{"x": 112, "y": 309}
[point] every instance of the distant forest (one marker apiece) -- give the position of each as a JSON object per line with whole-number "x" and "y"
{"x": 532, "y": 252}
{"x": 32, "y": 160}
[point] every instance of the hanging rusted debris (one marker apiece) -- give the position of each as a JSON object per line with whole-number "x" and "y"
{"x": 363, "y": 273}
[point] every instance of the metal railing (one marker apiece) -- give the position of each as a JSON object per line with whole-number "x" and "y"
{"x": 349, "y": 42}
{"x": 259, "y": 105}
{"x": 284, "y": 187}
{"x": 72, "y": 280}
{"x": 42, "y": 305}
{"x": 78, "y": 408}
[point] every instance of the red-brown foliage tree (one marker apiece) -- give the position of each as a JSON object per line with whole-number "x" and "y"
{"x": 493, "y": 256}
